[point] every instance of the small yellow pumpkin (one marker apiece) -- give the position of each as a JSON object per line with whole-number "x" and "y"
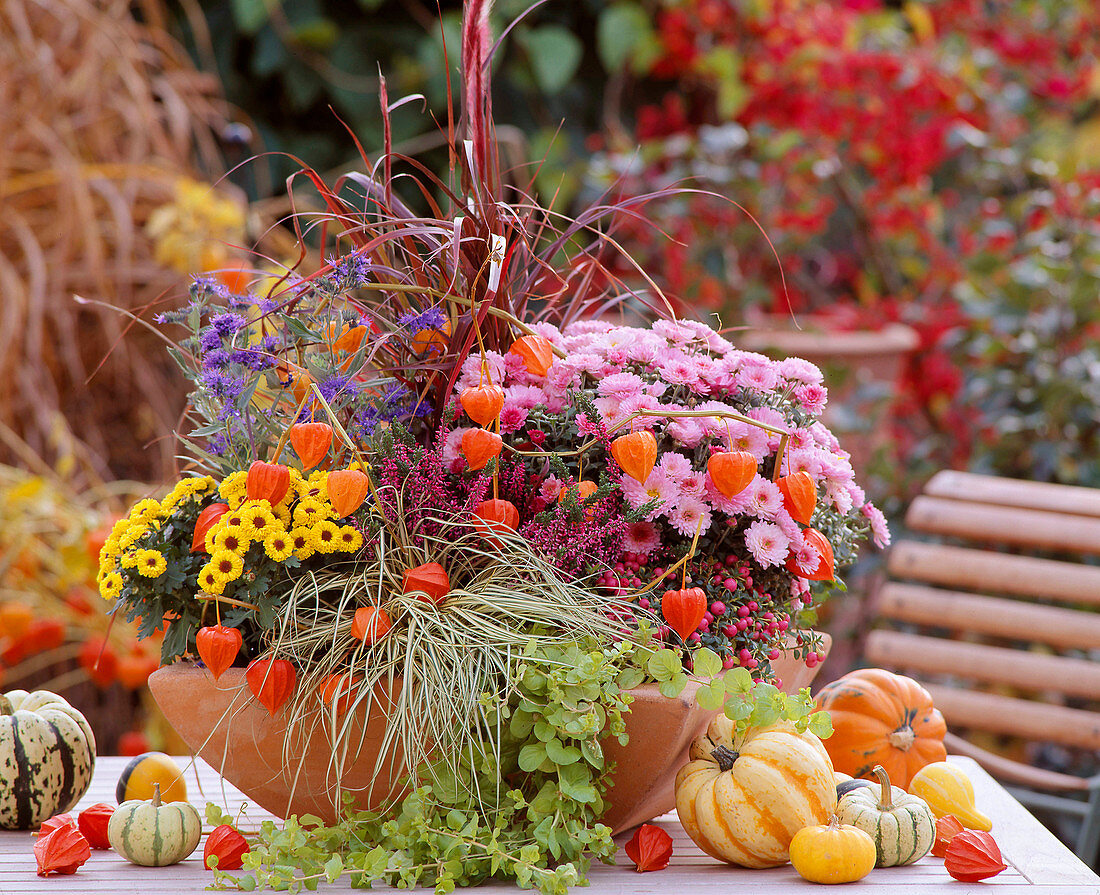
{"x": 948, "y": 790}
{"x": 832, "y": 853}
{"x": 729, "y": 800}
{"x": 152, "y": 833}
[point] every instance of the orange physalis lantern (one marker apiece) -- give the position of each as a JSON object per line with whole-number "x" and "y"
{"x": 482, "y": 403}
{"x": 479, "y": 446}
{"x": 218, "y": 646}
{"x": 370, "y": 624}
{"x": 799, "y": 495}
{"x": 636, "y": 453}
{"x": 582, "y": 490}
{"x": 684, "y": 609}
{"x": 271, "y": 682}
{"x": 429, "y": 578}
{"x": 204, "y": 523}
{"x": 61, "y": 851}
{"x": 495, "y": 517}
{"x": 341, "y": 688}
{"x": 347, "y": 489}
{"x": 825, "y": 568}
{"x": 267, "y": 481}
{"x": 536, "y": 353}
{"x": 311, "y": 442}
{"x": 732, "y": 471}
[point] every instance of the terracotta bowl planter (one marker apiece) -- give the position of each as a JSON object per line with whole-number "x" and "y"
{"x": 225, "y": 726}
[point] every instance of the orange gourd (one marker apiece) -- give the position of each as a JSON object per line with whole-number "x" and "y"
{"x": 882, "y": 718}
{"x": 482, "y": 403}
{"x": 267, "y": 481}
{"x": 271, "y": 682}
{"x": 536, "y": 353}
{"x": 684, "y": 609}
{"x": 732, "y": 471}
{"x": 370, "y": 624}
{"x": 311, "y": 442}
{"x": 430, "y": 578}
{"x": 347, "y": 489}
{"x": 204, "y": 523}
{"x": 799, "y": 495}
{"x": 636, "y": 453}
{"x": 479, "y": 446}
{"x": 218, "y": 646}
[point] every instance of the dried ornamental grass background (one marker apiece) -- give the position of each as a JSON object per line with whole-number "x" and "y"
{"x": 100, "y": 117}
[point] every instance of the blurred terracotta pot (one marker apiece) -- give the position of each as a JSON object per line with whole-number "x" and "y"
{"x": 229, "y": 730}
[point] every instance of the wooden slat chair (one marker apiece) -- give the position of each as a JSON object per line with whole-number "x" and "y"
{"x": 978, "y": 621}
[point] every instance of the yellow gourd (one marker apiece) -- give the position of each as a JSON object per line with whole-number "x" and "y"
{"x": 832, "y": 853}
{"x": 948, "y": 790}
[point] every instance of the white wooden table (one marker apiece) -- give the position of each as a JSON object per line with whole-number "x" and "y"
{"x": 1038, "y": 863}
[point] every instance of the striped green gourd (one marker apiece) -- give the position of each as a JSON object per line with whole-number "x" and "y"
{"x": 901, "y": 824}
{"x": 47, "y": 754}
{"x": 153, "y": 833}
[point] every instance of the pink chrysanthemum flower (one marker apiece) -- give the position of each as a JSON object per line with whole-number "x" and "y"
{"x": 643, "y": 402}
{"x": 642, "y": 538}
{"x": 657, "y": 487}
{"x": 761, "y": 376}
{"x": 879, "y": 531}
{"x": 749, "y": 438}
{"x": 676, "y": 332}
{"x": 453, "y": 458}
{"x": 837, "y": 494}
{"x": 675, "y": 465}
{"x": 512, "y": 417}
{"x": 796, "y": 369}
{"x": 525, "y": 396}
{"x": 813, "y": 398}
{"x": 550, "y": 488}
{"x": 621, "y": 386}
{"x": 767, "y": 543}
{"x": 765, "y": 498}
{"x": 806, "y": 559}
{"x": 680, "y": 370}
{"x": 690, "y": 515}
{"x": 801, "y": 460}
{"x": 685, "y": 430}
{"x": 611, "y": 411}
{"x": 734, "y": 506}
{"x": 694, "y": 483}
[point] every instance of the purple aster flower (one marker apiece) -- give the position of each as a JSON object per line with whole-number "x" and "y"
{"x": 210, "y": 340}
{"x": 227, "y": 324}
{"x": 253, "y": 360}
{"x": 415, "y": 322}
{"x": 219, "y": 357}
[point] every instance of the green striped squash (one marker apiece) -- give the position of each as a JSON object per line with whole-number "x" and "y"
{"x": 153, "y": 833}
{"x": 901, "y": 824}
{"x": 47, "y": 754}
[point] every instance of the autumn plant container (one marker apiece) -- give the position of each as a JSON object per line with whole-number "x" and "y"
{"x": 456, "y": 542}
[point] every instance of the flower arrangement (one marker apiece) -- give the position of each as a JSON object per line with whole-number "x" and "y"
{"x": 443, "y": 465}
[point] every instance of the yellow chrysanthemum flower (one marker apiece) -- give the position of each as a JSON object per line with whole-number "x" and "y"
{"x": 227, "y": 539}
{"x": 283, "y": 513}
{"x": 311, "y": 488}
{"x": 301, "y": 543}
{"x": 325, "y": 536}
{"x": 131, "y": 536}
{"x": 111, "y": 586}
{"x": 129, "y": 559}
{"x": 349, "y": 538}
{"x": 278, "y": 546}
{"x": 226, "y": 566}
{"x": 258, "y": 519}
{"x": 310, "y": 511}
{"x": 151, "y": 563}
{"x": 210, "y": 582}
{"x": 234, "y": 485}
{"x": 143, "y": 509}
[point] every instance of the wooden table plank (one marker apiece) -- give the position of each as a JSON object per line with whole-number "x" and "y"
{"x": 1038, "y": 862}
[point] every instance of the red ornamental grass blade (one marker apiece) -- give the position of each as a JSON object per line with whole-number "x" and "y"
{"x": 61, "y": 851}
{"x": 271, "y": 682}
{"x": 228, "y": 846}
{"x": 682, "y": 610}
{"x": 649, "y": 848}
{"x": 218, "y": 646}
{"x": 311, "y": 441}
